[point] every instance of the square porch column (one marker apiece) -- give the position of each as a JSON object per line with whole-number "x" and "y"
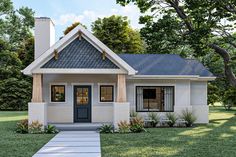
{"x": 121, "y": 108}
{"x": 37, "y": 109}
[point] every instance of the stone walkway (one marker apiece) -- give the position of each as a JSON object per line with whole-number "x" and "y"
{"x": 72, "y": 144}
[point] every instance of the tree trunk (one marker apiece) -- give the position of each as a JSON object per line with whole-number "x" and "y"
{"x": 228, "y": 70}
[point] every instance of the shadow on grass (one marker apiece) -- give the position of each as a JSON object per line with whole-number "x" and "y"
{"x": 214, "y": 140}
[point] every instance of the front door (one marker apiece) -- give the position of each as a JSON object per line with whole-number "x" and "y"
{"x": 82, "y": 103}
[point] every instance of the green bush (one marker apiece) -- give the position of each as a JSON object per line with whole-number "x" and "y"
{"x": 133, "y": 114}
{"x": 22, "y": 126}
{"x": 106, "y": 128}
{"x": 50, "y": 129}
{"x": 137, "y": 125}
{"x": 188, "y": 117}
{"x": 35, "y": 127}
{"x": 154, "y": 117}
{"x": 172, "y": 118}
{"x": 124, "y": 127}
{"x": 229, "y": 99}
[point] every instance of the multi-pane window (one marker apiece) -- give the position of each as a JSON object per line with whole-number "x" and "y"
{"x": 57, "y": 93}
{"x": 106, "y": 93}
{"x": 157, "y": 99}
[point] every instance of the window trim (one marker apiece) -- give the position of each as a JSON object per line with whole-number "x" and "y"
{"x": 50, "y": 93}
{"x": 135, "y": 93}
{"x": 113, "y": 92}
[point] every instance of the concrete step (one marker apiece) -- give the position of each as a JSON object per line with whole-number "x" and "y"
{"x": 79, "y": 126}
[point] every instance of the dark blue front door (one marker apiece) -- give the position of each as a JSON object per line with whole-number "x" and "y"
{"x": 82, "y": 103}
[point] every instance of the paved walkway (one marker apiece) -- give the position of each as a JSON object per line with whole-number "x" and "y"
{"x": 72, "y": 144}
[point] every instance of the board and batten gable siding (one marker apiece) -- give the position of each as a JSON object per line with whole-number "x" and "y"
{"x": 63, "y": 112}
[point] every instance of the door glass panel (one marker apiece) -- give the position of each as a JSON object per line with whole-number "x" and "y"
{"x": 82, "y": 96}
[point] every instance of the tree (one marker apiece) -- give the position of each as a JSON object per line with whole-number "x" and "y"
{"x": 116, "y": 33}
{"x": 68, "y": 29}
{"x": 201, "y": 26}
{"x": 16, "y": 51}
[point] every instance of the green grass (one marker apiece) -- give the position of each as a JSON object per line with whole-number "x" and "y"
{"x": 18, "y": 145}
{"x": 216, "y": 139}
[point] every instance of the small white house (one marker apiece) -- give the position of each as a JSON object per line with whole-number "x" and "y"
{"x": 78, "y": 79}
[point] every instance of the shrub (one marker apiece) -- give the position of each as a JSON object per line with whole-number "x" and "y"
{"x": 172, "y": 118}
{"x": 137, "y": 125}
{"x": 35, "y": 127}
{"x": 229, "y": 98}
{"x": 22, "y": 126}
{"x": 50, "y": 129}
{"x": 133, "y": 114}
{"x": 154, "y": 117}
{"x": 188, "y": 117}
{"x": 124, "y": 127}
{"x": 106, "y": 128}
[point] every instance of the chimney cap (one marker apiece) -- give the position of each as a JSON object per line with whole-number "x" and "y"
{"x": 44, "y": 18}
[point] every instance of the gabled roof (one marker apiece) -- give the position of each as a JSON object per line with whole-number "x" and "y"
{"x": 36, "y": 66}
{"x": 165, "y": 64}
{"x": 80, "y": 54}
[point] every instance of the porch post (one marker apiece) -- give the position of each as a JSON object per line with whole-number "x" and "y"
{"x": 121, "y": 108}
{"x": 37, "y": 88}
{"x": 37, "y": 109}
{"x": 121, "y": 88}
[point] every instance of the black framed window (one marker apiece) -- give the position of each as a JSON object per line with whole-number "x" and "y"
{"x": 106, "y": 93}
{"x": 57, "y": 93}
{"x": 155, "y": 99}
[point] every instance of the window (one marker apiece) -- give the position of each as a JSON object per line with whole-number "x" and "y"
{"x": 106, "y": 93}
{"x": 156, "y": 99}
{"x": 57, "y": 93}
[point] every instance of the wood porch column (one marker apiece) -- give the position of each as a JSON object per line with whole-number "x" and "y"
{"x": 121, "y": 88}
{"x": 37, "y": 88}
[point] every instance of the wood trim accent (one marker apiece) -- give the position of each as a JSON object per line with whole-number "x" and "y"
{"x": 37, "y": 94}
{"x": 121, "y": 88}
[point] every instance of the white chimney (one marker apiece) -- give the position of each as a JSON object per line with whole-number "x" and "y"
{"x": 44, "y": 35}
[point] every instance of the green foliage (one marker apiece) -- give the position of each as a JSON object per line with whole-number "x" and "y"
{"x": 16, "y": 51}
{"x": 116, "y": 33}
{"x": 154, "y": 117}
{"x": 35, "y": 127}
{"x": 172, "y": 118}
{"x": 68, "y": 29}
{"x": 188, "y": 117}
{"x": 192, "y": 28}
{"x": 106, "y": 128}
{"x": 22, "y": 126}
{"x": 124, "y": 127}
{"x": 137, "y": 125}
{"x": 229, "y": 98}
{"x": 14, "y": 94}
{"x": 50, "y": 129}
{"x": 133, "y": 114}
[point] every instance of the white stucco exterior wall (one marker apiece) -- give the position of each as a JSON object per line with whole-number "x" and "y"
{"x": 63, "y": 112}
{"x": 188, "y": 94}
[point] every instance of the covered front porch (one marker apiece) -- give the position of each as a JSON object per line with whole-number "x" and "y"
{"x": 73, "y": 109}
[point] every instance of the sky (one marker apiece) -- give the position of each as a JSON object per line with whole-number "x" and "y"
{"x": 65, "y": 12}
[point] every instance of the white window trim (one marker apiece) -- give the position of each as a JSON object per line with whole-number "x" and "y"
{"x": 114, "y": 92}
{"x": 50, "y": 92}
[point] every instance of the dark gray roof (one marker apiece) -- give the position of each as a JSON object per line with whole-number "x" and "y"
{"x": 80, "y": 54}
{"x": 164, "y": 64}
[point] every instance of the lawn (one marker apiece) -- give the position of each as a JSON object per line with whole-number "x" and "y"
{"x": 18, "y": 145}
{"x": 217, "y": 139}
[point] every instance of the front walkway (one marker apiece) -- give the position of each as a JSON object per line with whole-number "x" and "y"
{"x": 72, "y": 144}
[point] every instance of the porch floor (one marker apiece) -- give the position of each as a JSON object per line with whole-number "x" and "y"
{"x": 78, "y": 126}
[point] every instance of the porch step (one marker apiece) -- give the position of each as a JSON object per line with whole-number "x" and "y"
{"x": 78, "y": 126}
